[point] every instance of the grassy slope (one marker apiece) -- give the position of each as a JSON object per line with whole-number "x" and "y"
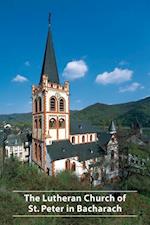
{"x": 23, "y": 177}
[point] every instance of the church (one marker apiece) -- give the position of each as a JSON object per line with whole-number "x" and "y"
{"x": 60, "y": 143}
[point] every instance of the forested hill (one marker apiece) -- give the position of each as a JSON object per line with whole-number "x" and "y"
{"x": 99, "y": 114}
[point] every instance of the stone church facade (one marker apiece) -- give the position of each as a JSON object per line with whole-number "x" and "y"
{"x": 60, "y": 143}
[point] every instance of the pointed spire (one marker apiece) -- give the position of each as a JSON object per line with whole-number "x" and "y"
{"x": 49, "y": 63}
{"x": 112, "y": 128}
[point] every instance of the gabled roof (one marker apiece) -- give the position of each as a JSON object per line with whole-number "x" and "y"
{"x": 49, "y": 63}
{"x": 64, "y": 149}
{"x": 14, "y": 140}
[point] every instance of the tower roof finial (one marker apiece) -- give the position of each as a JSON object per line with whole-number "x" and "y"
{"x": 49, "y": 19}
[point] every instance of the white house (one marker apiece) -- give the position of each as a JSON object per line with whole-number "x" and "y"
{"x": 17, "y": 147}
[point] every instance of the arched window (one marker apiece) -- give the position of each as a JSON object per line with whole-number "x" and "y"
{"x": 40, "y": 123}
{"x": 73, "y": 166}
{"x": 61, "y": 105}
{"x": 35, "y": 105}
{"x": 40, "y": 104}
{"x": 112, "y": 154}
{"x": 67, "y": 164}
{"x": 91, "y": 137}
{"x": 52, "y": 123}
{"x": 36, "y": 155}
{"x": 83, "y": 139}
{"x": 61, "y": 123}
{"x": 35, "y": 124}
{"x": 73, "y": 139}
{"x": 53, "y": 104}
{"x": 40, "y": 153}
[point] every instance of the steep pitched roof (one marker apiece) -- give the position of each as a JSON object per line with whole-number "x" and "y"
{"x": 112, "y": 128}
{"x": 49, "y": 63}
{"x": 13, "y": 140}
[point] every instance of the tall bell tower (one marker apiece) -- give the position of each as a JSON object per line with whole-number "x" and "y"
{"x": 50, "y": 107}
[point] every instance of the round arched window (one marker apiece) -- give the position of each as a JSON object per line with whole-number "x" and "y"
{"x": 73, "y": 140}
{"x": 61, "y": 123}
{"x": 61, "y": 105}
{"x": 73, "y": 166}
{"x": 53, "y": 104}
{"x": 83, "y": 139}
{"x": 52, "y": 123}
{"x": 40, "y": 123}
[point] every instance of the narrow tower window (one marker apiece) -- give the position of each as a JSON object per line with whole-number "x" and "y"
{"x": 40, "y": 153}
{"x": 35, "y": 105}
{"x": 53, "y": 104}
{"x": 40, "y": 104}
{"x": 61, "y": 105}
{"x": 40, "y": 123}
{"x": 35, "y": 124}
{"x": 36, "y": 151}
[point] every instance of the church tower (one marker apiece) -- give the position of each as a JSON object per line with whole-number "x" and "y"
{"x": 50, "y": 107}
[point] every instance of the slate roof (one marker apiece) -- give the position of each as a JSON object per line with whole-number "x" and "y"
{"x": 77, "y": 127}
{"x": 103, "y": 138}
{"x": 14, "y": 140}
{"x": 64, "y": 149}
{"x": 112, "y": 127}
{"x": 49, "y": 63}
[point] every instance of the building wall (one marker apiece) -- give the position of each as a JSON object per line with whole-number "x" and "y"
{"x": 18, "y": 151}
{"x": 90, "y": 137}
{"x": 46, "y": 134}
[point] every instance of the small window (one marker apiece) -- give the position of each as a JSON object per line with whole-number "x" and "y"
{"x": 67, "y": 164}
{"x": 40, "y": 104}
{"x": 36, "y": 154}
{"x": 112, "y": 154}
{"x": 52, "y": 123}
{"x": 73, "y": 139}
{"x": 61, "y": 123}
{"x": 83, "y": 139}
{"x": 35, "y": 124}
{"x": 91, "y": 137}
{"x": 40, "y": 153}
{"x": 73, "y": 166}
{"x": 40, "y": 123}
{"x": 35, "y": 105}
{"x": 61, "y": 105}
{"x": 53, "y": 104}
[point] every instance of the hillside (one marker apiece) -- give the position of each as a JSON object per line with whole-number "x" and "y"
{"x": 99, "y": 114}
{"x": 123, "y": 114}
